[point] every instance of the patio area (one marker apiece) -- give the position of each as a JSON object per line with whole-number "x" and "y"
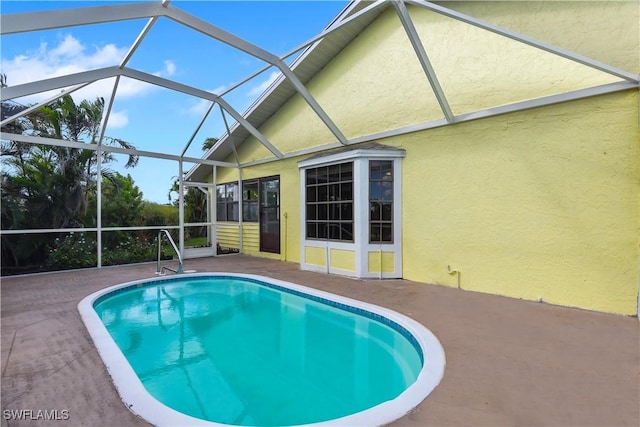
{"x": 509, "y": 362}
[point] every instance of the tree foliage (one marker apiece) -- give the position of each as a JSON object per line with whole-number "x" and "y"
{"x": 50, "y": 186}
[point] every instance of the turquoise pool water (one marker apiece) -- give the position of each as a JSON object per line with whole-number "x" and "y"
{"x": 237, "y": 351}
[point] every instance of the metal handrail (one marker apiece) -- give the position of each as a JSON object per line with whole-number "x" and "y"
{"x": 175, "y": 248}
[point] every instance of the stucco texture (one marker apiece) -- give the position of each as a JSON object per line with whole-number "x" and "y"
{"x": 540, "y": 204}
{"x": 607, "y": 31}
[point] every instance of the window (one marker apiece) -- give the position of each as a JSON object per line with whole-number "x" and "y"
{"x": 329, "y": 202}
{"x": 227, "y": 202}
{"x": 380, "y": 201}
{"x": 250, "y": 201}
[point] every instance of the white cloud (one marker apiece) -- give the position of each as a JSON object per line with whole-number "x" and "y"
{"x": 257, "y": 90}
{"x": 70, "y": 47}
{"x": 218, "y": 90}
{"x": 69, "y": 55}
{"x": 201, "y": 106}
{"x": 169, "y": 68}
{"x": 117, "y": 120}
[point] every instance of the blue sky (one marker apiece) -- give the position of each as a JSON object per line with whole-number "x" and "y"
{"x": 152, "y": 118}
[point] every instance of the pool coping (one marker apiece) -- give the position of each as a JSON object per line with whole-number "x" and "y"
{"x": 138, "y": 400}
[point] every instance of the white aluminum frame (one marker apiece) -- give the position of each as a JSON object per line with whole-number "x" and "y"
{"x": 34, "y": 21}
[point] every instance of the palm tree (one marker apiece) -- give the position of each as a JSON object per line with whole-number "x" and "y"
{"x": 208, "y": 143}
{"x": 49, "y": 186}
{"x": 64, "y": 119}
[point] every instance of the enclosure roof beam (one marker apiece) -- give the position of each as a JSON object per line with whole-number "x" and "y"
{"x": 306, "y": 95}
{"x": 103, "y": 73}
{"x": 35, "y": 21}
{"x": 199, "y": 93}
{"x": 42, "y": 104}
{"x": 109, "y": 148}
{"x": 220, "y": 34}
{"x": 420, "y": 51}
{"x": 226, "y": 125}
{"x": 253, "y": 50}
{"x": 335, "y": 26}
{"x": 138, "y": 41}
{"x": 526, "y": 39}
{"x": 480, "y": 114}
{"x": 195, "y": 132}
{"x": 18, "y": 91}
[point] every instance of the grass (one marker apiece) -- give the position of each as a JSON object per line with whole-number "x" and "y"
{"x": 195, "y": 242}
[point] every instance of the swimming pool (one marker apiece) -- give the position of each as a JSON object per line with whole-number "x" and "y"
{"x": 212, "y": 349}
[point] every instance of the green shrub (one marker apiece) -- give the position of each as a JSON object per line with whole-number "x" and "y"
{"x": 77, "y": 250}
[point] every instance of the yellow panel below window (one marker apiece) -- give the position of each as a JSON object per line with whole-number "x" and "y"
{"x": 388, "y": 262}
{"x": 343, "y": 259}
{"x": 315, "y": 256}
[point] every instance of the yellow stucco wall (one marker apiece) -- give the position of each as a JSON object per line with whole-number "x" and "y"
{"x": 478, "y": 69}
{"x": 539, "y": 204}
{"x": 608, "y": 31}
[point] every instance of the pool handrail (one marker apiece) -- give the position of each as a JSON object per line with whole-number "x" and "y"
{"x": 175, "y": 248}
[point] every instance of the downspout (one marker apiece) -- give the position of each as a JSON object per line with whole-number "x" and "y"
{"x": 284, "y": 252}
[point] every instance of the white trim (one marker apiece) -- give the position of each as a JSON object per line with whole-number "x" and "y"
{"x": 334, "y": 244}
{"x": 397, "y": 216}
{"x": 350, "y": 155}
{"x": 141, "y": 403}
{"x": 303, "y": 215}
{"x": 361, "y": 214}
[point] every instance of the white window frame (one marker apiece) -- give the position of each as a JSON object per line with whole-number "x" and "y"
{"x": 360, "y": 245}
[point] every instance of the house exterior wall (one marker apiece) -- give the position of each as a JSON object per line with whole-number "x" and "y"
{"x": 542, "y": 204}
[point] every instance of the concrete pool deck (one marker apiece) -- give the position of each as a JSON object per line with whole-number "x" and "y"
{"x": 509, "y": 362}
